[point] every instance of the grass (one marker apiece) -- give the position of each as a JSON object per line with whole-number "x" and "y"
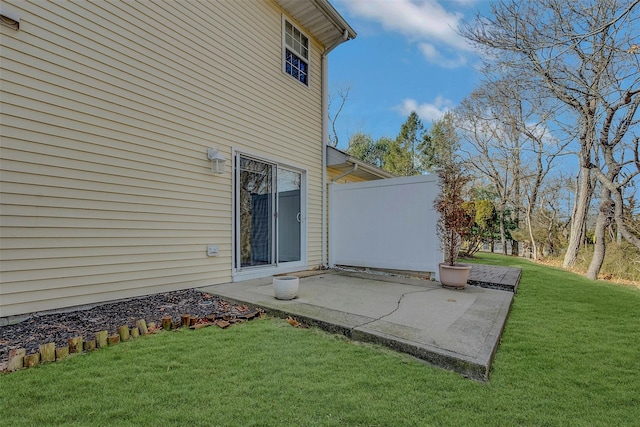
{"x": 570, "y": 356}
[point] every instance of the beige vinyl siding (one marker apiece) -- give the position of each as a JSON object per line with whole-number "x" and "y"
{"x": 108, "y": 109}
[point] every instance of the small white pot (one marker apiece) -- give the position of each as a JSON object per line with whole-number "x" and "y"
{"x": 286, "y": 287}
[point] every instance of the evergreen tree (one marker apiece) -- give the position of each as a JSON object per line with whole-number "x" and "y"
{"x": 404, "y": 158}
{"x": 438, "y": 147}
{"x": 363, "y": 147}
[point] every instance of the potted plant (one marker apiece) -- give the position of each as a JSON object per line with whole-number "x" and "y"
{"x": 453, "y": 223}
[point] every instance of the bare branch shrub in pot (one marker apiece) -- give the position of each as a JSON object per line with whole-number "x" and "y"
{"x": 454, "y": 221}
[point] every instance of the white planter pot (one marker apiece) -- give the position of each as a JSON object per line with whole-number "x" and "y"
{"x": 454, "y": 276}
{"x": 286, "y": 287}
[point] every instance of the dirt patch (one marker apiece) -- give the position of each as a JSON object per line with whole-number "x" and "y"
{"x": 550, "y": 262}
{"x": 60, "y": 327}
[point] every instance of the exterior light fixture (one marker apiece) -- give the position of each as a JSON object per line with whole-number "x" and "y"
{"x": 9, "y": 19}
{"x": 217, "y": 160}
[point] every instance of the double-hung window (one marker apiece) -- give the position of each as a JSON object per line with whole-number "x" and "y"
{"x": 296, "y": 53}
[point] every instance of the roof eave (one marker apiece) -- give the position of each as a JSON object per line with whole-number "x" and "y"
{"x": 338, "y": 21}
{"x": 309, "y": 12}
{"x": 371, "y": 169}
{"x": 340, "y": 159}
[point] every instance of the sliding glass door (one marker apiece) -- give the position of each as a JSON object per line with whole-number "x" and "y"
{"x": 256, "y": 190}
{"x": 269, "y": 215}
{"x": 289, "y": 215}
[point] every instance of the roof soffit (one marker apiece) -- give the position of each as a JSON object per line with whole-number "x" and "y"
{"x": 319, "y": 18}
{"x": 341, "y": 161}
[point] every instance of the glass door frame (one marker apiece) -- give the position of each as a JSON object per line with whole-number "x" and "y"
{"x": 250, "y": 272}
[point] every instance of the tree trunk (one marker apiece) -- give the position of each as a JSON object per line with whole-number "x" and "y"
{"x": 618, "y": 212}
{"x": 503, "y": 234}
{"x": 515, "y": 246}
{"x": 534, "y": 247}
{"x": 551, "y": 246}
{"x": 578, "y": 222}
{"x": 614, "y": 167}
{"x": 622, "y": 228}
{"x": 600, "y": 245}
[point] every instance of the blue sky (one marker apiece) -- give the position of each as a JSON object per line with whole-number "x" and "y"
{"x": 407, "y": 56}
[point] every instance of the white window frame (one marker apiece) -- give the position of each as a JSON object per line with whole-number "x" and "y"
{"x": 286, "y": 46}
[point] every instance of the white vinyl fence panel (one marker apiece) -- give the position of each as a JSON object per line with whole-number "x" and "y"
{"x": 388, "y": 224}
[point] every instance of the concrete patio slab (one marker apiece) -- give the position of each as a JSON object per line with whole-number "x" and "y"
{"x": 457, "y": 330}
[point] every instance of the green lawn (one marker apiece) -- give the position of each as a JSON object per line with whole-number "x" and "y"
{"x": 570, "y": 355}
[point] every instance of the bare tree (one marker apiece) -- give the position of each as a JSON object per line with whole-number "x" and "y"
{"x": 489, "y": 149}
{"x": 506, "y": 128}
{"x": 612, "y": 202}
{"x": 336, "y": 102}
{"x": 532, "y": 117}
{"x": 550, "y": 212}
{"x": 584, "y": 54}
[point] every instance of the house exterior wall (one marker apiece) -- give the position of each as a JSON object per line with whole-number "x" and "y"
{"x": 108, "y": 109}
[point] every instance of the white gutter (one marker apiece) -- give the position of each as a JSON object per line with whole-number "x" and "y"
{"x": 345, "y": 173}
{"x": 325, "y": 137}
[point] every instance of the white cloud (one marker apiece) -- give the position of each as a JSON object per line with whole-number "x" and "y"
{"x": 467, "y": 3}
{"x": 418, "y": 20}
{"x": 428, "y": 112}
{"x": 429, "y": 51}
{"x": 542, "y": 131}
{"x": 432, "y": 55}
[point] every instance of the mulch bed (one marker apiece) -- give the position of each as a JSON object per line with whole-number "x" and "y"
{"x": 60, "y": 327}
